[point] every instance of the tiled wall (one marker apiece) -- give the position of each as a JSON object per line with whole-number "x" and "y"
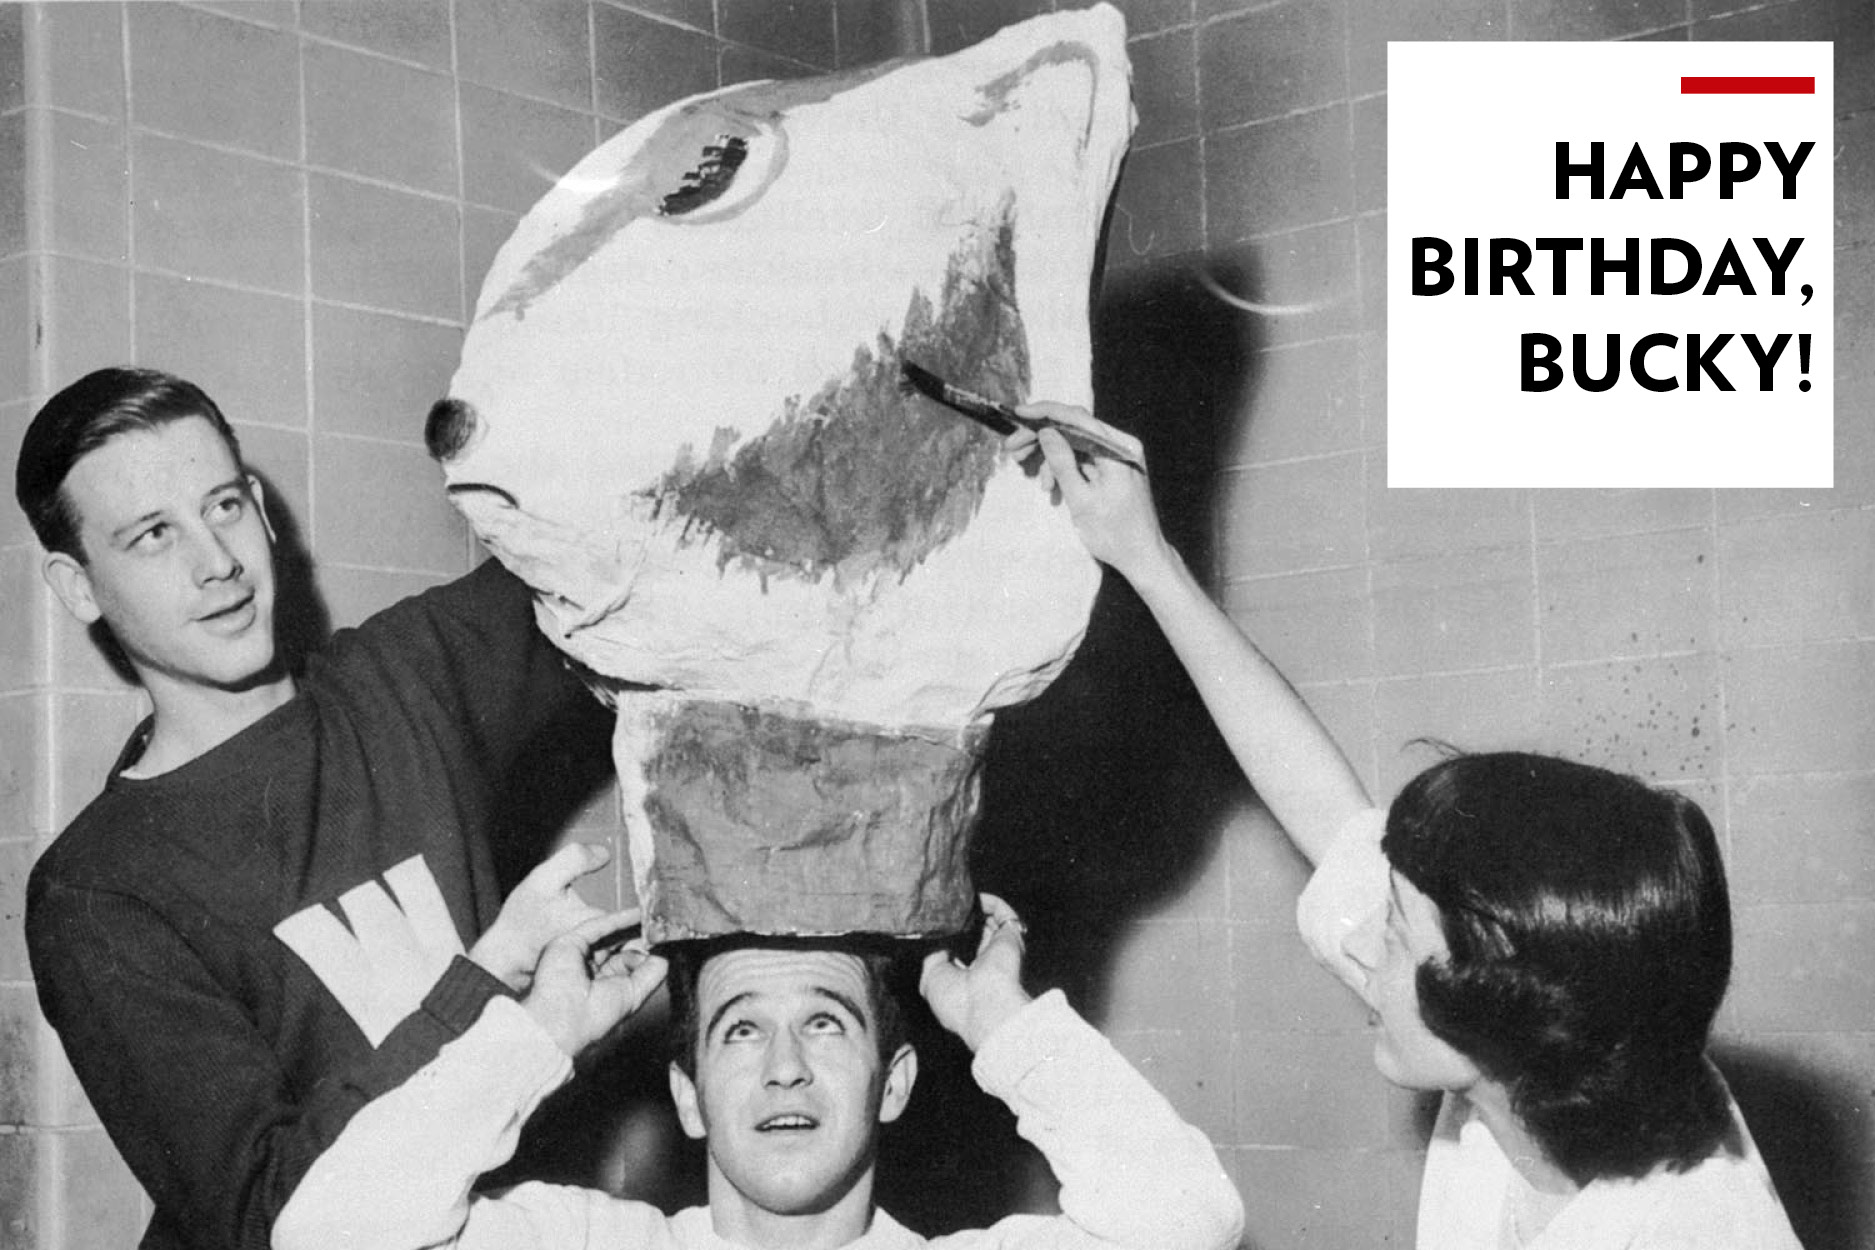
{"x": 1722, "y": 642}
{"x": 293, "y": 203}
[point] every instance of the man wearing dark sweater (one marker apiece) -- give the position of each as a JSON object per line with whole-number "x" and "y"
{"x": 234, "y": 939}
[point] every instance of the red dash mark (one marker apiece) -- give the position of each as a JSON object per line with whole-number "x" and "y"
{"x": 1747, "y": 86}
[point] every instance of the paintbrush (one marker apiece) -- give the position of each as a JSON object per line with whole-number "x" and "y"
{"x": 1006, "y": 420}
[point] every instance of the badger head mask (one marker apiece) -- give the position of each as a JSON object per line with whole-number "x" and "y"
{"x": 678, "y": 417}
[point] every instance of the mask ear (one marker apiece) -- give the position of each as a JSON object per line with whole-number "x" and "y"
{"x": 71, "y": 582}
{"x": 899, "y": 1078}
{"x": 689, "y": 1110}
{"x": 255, "y": 489}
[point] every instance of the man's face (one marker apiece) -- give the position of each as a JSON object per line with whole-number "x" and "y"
{"x": 790, "y": 1087}
{"x": 178, "y": 561}
{"x": 1407, "y": 1052}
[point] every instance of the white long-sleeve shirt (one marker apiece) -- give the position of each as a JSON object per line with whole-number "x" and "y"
{"x": 1133, "y": 1175}
{"x": 1725, "y": 1202}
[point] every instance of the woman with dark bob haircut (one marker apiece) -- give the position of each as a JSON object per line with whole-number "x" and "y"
{"x": 1545, "y": 942}
{"x": 1588, "y": 943}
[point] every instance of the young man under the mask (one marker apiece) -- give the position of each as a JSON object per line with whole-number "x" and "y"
{"x": 789, "y": 1063}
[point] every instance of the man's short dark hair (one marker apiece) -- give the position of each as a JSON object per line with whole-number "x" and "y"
{"x": 82, "y": 418}
{"x": 1591, "y": 941}
{"x": 884, "y": 967}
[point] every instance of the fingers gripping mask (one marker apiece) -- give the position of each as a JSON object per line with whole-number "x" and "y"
{"x": 678, "y": 418}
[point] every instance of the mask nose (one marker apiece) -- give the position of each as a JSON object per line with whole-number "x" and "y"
{"x": 451, "y": 425}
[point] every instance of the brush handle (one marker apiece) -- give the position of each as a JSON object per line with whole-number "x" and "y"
{"x": 1084, "y": 442}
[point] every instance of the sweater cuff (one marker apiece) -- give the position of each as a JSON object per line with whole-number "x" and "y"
{"x": 1040, "y": 1033}
{"x": 460, "y": 994}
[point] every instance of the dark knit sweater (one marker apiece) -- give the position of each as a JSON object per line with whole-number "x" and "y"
{"x": 221, "y": 1055}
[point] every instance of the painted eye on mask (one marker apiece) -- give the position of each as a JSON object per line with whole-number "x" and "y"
{"x": 709, "y": 178}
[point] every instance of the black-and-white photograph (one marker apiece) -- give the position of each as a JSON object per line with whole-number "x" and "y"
{"x": 780, "y": 625}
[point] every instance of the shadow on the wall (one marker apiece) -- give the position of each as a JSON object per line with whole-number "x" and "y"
{"x": 559, "y": 772}
{"x": 301, "y": 621}
{"x": 1104, "y": 797}
{"x": 1813, "y": 1133}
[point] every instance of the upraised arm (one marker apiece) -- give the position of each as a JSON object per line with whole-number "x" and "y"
{"x": 399, "y": 1176}
{"x": 1134, "y": 1176}
{"x": 1296, "y": 767}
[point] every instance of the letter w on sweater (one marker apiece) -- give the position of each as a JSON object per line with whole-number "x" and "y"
{"x": 398, "y": 944}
